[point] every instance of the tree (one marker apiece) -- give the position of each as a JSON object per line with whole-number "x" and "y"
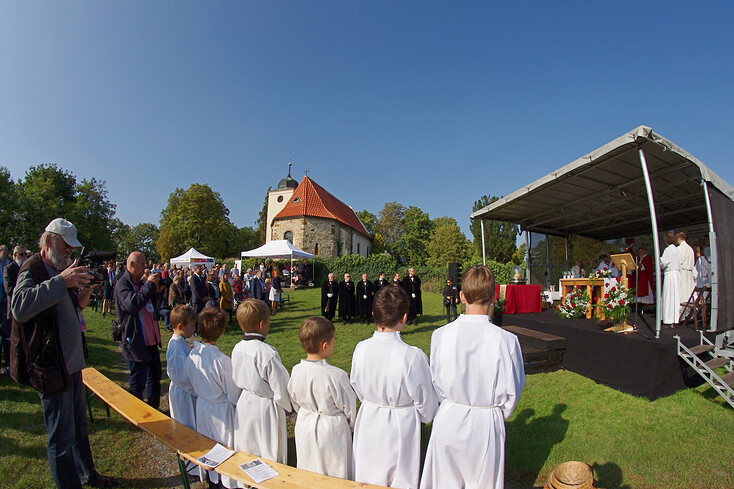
{"x": 418, "y": 229}
{"x": 239, "y": 240}
{"x": 499, "y": 236}
{"x": 142, "y": 237}
{"x": 92, "y": 214}
{"x": 8, "y": 209}
{"x": 447, "y": 243}
{"x": 262, "y": 226}
{"x": 368, "y": 219}
{"x": 390, "y": 226}
{"x": 196, "y": 217}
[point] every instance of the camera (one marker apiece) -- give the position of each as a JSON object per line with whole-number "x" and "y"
{"x": 95, "y": 260}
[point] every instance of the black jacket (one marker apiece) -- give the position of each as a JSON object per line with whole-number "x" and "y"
{"x": 128, "y": 304}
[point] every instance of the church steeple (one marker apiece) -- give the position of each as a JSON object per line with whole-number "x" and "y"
{"x": 287, "y": 182}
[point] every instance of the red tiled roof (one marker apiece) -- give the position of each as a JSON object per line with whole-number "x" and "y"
{"x": 310, "y": 199}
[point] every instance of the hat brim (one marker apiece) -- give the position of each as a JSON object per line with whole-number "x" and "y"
{"x": 73, "y": 242}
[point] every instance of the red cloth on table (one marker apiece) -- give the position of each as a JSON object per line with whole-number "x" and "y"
{"x": 521, "y": 298}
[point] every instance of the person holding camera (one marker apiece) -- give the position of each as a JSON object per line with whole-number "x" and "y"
{"x": 49, "y": 291}
{"x": 141, "y": 338}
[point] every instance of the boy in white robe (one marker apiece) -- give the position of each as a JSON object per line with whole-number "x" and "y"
{"x": 326, "y": 404}
{"x": 210, "y": 374}
{"x": 478, "y": 374}
{"x": 181, "y": 395}
{"x": 393, "y": 381}
{"x": 258, "y": 370}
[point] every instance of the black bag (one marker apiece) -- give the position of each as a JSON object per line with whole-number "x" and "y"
{"x": 116, "y": 330}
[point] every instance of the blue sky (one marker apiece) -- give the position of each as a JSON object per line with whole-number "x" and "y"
{"x": 426, "y": 103}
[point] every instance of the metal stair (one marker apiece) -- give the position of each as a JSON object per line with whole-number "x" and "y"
{"x": 693, "y": 357}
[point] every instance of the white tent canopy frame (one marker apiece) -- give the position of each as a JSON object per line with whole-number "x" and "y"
{"x": 193, "y": 257}
{"x": 634, "y": 183}
{"x": 279, "y": 249}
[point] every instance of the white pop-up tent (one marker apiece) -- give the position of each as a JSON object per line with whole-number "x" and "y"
{"x": 192, "y": 258}
{"x": 279, "y": 249}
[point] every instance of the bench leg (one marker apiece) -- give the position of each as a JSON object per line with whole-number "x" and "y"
{"x": 184, "y": 472}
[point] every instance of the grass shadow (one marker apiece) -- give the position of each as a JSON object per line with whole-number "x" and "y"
{"x": 530, "y": 440}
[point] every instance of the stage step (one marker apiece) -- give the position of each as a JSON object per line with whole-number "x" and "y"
{"x": 705, "y": 368}
{"x": 541, "y": 352}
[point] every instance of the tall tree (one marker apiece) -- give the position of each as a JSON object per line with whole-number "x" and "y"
{"x": 262, "y": 225}
{"x": 390, "y": 226}
{"x": 418, "y": 230}
{"x": 94, "y": 213}
{"x": 239, "y": 240}
{"x": 194, "y": 217}
{"x": 142, "y": 237}
{"x": 500, "y": 237}
{"x": 447, "y": 243}
{"x": 8, "y": 210}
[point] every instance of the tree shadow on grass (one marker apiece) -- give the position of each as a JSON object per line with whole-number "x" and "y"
{"x": 529, "y": 442}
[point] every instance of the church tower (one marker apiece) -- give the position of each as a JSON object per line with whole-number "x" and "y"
{"x": 277, "y": 199}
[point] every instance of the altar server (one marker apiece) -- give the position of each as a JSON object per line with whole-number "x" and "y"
{"x": 326, "y": 404}
{"x": 687, "y": 269}
{"x": 393, "y": 381}
{"x": 670, "y": 266}
{"x": 210, "y": 374}
{"x": 257, "y": 370}
{"x": 478, "y": 374}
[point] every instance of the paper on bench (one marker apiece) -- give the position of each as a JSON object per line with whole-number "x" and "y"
{"x": 215, "y": 456}
{"x": 258, "y": 470}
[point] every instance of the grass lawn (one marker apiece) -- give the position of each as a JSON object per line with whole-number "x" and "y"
{"x": 682, "y": 441}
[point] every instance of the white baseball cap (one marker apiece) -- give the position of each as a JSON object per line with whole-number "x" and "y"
{"x": 66, "y": 230}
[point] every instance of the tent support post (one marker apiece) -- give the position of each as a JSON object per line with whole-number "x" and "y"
{"x": 714, "y": 278}
{"x": 656, "y": 242}
{"x": 547, "y": 261}
{"x": 527, "y": 257}
{"x": 484, "y": 249}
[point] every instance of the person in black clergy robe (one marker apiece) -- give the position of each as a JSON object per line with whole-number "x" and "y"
{"x": 365, "y": 293}
{"x": 412, "y": 286}
{"x": 380, "y": 282}
{"x": 329, "y": 296}
{"x": 396, "y": 280}
{"x": 347, "y": 304}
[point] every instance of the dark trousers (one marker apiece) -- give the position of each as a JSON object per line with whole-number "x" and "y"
{"x": 450, "y": 309}
{"x": 5, "y": 327}
{"x": 65, "y": 416}
{"x": 147, "y": 374}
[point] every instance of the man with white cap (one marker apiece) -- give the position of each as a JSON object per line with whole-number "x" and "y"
{"x": 48, "y": 292}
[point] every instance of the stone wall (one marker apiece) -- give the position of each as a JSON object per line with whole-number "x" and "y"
{"x": 331, "y": 237}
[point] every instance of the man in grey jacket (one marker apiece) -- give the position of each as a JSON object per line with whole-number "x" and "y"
{"x": 61, "y": 294}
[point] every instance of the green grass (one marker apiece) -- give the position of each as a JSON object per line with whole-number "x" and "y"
{"x": 681, "y": 441}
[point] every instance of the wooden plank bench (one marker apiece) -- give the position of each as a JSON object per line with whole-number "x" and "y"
{"x": 189, "y": 445}
{"x": 541, "y": 351}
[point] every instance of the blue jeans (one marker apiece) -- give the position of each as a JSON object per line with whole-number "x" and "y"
{"x": 147, "y": 374}
{"x": 166, "y": 315}
{"x": 69, "y": 455}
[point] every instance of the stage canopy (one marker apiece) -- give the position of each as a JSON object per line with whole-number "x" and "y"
{"x": 278, "y": 248}
{"x": 604, "y": 195}
{"x": 193, "y": 257}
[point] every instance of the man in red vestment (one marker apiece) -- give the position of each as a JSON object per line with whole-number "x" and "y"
{"x": 645, "y": 281}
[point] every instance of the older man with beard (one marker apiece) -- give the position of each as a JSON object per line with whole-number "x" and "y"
{"x": 46, "y": 297}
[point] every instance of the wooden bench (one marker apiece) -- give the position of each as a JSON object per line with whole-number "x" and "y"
{"x": 541, "y": 352}
{"x": 189, "y": 445}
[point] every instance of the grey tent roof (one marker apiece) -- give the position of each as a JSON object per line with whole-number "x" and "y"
{"x": 602, "y": 195}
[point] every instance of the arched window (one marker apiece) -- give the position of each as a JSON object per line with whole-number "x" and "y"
{"x": 358, "y": 248}
{"x": 316, "y": 249}
{"x": 289, "y": 236}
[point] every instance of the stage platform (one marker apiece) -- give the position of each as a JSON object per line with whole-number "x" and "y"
{"x": 635, "y": 363}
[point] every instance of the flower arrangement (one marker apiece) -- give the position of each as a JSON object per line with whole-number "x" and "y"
{"x": 499, "y": 305}
{"x": 617, "y": 302}
{"x": 574, "y": 304}
{"x": 602, "y": 273}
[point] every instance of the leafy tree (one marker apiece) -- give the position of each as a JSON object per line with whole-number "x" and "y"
{"x": 8, "y": 210}
{"x": 239, "y": 240}
{"x": 418, "y": 229}
{"x": 262, "y": 225}
{"x": 447, "y": 244}
{"x": 92, "y": 214}
{"x": 499, "y": 236}
{"x": 518, "y": 258}
{"x": 196, "y": 217}
{"x": 390, "y": 226}
{"x": 368, "y": 219}
{"x": 142, "y": 237}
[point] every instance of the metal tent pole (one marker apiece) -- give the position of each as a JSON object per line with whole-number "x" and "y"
{"x": 714, "y": 278}
{"x": 527, "y": 257}
{"x": 484, "y": 250}
{"x": 656, "y": 242}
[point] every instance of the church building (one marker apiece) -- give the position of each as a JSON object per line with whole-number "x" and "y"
{"x": 314, "y": 220}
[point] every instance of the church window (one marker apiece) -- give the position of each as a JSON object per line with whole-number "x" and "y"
{"x": 280, "y": 198}
{"x": 316, "y": 249}
{"x": 289, "y": 236}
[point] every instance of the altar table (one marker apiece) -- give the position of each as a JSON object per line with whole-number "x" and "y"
{"x": 591, "y": 285}
{"x": 520, "y": 298}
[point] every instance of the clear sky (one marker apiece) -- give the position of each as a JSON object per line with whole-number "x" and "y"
{"x": 426, "y": 103}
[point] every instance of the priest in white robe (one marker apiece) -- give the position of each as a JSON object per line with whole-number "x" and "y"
{"x": 327, "y": 408}
{"x": 670, "y": 266}
{"x": 687, "y": 269}
{"x": 478, "y": 374}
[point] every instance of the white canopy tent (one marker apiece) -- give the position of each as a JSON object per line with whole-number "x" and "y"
{"x": 192, "y": 258}
{"x": 638, "y": 183}
{"x": 279, "y": 249}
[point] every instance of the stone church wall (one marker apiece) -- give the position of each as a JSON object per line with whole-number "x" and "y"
{"x": 326, "y": 237}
